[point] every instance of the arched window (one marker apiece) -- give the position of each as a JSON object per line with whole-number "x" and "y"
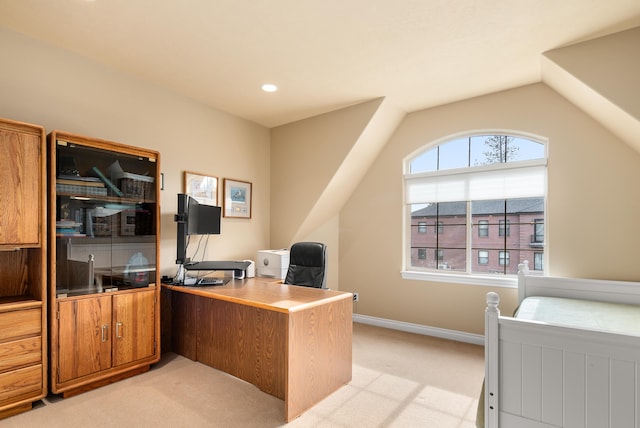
{"x": 481, "y": 199}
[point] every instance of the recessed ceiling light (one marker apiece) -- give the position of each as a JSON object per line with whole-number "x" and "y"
{"x": 269, "y": 87}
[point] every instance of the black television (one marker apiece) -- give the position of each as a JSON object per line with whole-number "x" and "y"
{"x": 194, "y": 218}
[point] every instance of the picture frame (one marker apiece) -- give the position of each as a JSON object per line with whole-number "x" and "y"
{"x": 203, "y": 188}
{"x": 237, "y": 198}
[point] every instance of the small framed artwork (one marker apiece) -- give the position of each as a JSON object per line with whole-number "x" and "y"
{"x": 203, "y": 188}
{"x": 237, "y": 198}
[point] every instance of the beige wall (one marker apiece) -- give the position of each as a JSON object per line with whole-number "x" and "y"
{"x": 315, "y": 165}
{"x": 47, "y": 86}
{"x": 592, "y": 222}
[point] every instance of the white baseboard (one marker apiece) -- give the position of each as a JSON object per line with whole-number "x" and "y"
{"x": 458, "y": 336}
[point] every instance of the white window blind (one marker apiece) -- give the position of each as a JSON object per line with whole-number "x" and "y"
{"x": 505, "y": 181}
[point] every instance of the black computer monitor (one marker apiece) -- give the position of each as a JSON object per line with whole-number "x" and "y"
{"x": 194, "y": 218}
{"x": 203, "y": 219}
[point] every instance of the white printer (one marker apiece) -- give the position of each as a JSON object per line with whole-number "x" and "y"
{"x": 272, "y": 263}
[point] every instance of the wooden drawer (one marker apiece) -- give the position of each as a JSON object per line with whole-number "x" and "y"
{"x": 21, "y": 382}
{"x": 15, "y": 324}
{"x": 19, "y": 353}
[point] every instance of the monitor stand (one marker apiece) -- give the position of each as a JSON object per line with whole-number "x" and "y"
{"x": 217, "y": 265}
{"x": 238, "y": 268}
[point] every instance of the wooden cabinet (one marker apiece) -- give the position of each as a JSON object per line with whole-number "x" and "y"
{"x": 133, "y": 316}
{"x": 105, "y": 289}
{"x": 23, "y": 255}
{"x": 105, "y": 332}
{"x": 84, "y": 338}
{"x": 21, "y": 184}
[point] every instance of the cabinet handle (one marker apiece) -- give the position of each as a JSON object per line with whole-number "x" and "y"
{"x": 105, "y": 332}
{"x": 118, "y": 330}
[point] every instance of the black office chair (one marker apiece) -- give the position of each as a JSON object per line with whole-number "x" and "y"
{"x": 307, "y": 265}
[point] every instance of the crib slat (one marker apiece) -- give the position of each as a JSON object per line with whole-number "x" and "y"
{"x": 532, "y": 382}
{"x": 552, "y": 389}
{"x": 597, "y": 392}
{"x": 574, "y": 390}
{"x": 623, "y": 379}
{"x": 511, "y": 377}
{"x": 637, "y": 403}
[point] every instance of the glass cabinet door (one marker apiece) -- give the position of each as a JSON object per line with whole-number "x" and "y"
{"x": 105, "y": 219}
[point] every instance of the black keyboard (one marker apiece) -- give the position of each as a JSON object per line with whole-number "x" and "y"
{"x": 205, "y": 282}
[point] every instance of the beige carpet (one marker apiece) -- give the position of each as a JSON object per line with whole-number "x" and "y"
{"x": 399, "y": 380}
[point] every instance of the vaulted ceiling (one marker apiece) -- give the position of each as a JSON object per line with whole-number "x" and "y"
{"x": 323, "y": 55}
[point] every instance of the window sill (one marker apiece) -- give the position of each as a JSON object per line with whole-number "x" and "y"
{"x": 510, "y": 281}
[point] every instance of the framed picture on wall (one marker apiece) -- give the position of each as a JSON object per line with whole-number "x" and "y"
{"x": 237, "y": 198}
{"x": 203, "y": 188}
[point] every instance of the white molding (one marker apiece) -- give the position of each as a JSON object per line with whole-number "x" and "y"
{"x": 504, "y": 281}
{"x": 458, "y": 336}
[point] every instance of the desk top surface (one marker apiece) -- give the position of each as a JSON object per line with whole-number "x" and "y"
{"x": 265, "y": 293}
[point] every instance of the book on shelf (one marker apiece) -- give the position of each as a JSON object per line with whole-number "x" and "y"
{"x": 67, "y": 223}
{"x": 106, "y": 181}
{"x": 70, "y": 234}
{"x": 69, "y": 228}
{"x": 78, "y": 177}
{"x": 74, "y": 182}
{"x": 81, "y": 190}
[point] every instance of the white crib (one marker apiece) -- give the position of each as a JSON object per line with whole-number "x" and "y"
{"x": 541, "y": 374}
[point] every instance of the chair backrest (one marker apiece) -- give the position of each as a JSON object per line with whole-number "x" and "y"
{"x": 307, "y": 264}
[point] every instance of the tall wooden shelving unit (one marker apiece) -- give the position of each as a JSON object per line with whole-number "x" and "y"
{"x": 104, "y": 244}
{"x": 23, "y": 261}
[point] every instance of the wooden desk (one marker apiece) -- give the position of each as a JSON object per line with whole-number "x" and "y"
{"x": 291, "y": 342}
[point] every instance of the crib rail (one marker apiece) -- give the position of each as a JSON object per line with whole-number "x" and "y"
{"x": 541, "y": 375}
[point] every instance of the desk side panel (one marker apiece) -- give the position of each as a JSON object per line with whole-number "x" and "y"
{"x": 182, "y": 324}
{"x": 320, "y": 354}
{"x": 165, "y": 321}
{"x": 244, "y": 341}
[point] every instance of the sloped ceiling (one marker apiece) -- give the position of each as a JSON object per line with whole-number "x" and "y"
{"x": 602, "y": 77}
{"x": 323, "y": 55}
